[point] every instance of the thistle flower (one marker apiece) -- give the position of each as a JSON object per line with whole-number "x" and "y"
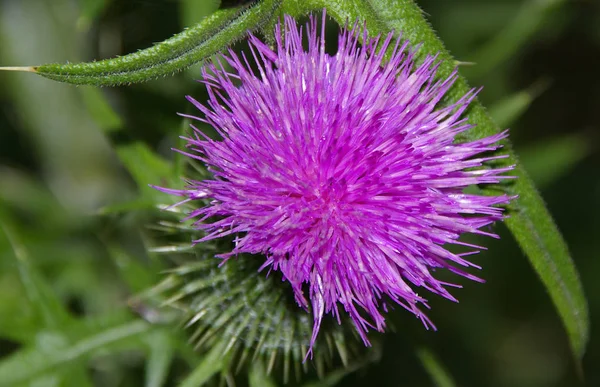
{"x": 341, "y": 172}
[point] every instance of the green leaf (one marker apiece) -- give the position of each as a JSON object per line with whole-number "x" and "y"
{"x": 434, "y": 368}
{"x": 179, "y": 159}
{"x": 330, "y": 380}
{"x": 22, "y": 324}
{"x": 89, "y": 10}
{"x": 463, "y": 23}
{"x": 550, "y": 160}
{"x": 211, "y": 363}
{"x": 529, "y": 19}
{"x": 160, "y": 358}
{"x": 22, "y": 191}
{"x": 530, "y": 222}
{"x": 258, "y": 376}
{"x": 43, "y": 301}
{"x": 192, "y": 11}
{"x": 100, "y": 110}
{"x": 39, "y": 293}
{"x": 146, "y": 167}
{"x": 124, "y": 207}
{"x": 333, "y": 378}
{"x": 508, "y": 110}
{"x": 55, "y": 350}
{"x": 191, "y": 46}
{"x": 138, "y": 276}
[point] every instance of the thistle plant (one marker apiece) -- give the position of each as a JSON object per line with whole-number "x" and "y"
{"x": 321, "y": 190}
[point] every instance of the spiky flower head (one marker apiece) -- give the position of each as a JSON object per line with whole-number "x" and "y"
{"x": 341, "y": 171}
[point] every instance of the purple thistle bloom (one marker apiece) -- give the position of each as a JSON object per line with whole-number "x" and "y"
{"x": 341, "y": 171}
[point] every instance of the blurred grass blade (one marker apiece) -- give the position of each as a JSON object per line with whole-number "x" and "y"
{"x": 90, "y": 9}
{"x": 137, "y": 276}
{"x": 258, "y": 376}
{"x": 505, "y": 112}
{"x": 49, "y": 380}
{"x": 333, "y": 378}
{"x": 548, "y": 161}
{"x": 434, "y": 368}
{"x": 192, "y": 11}
{"x": 146, "y": 167}
{"x": 529, "y": 19}
{"x": 124, "y": 207}
{"x": 212, "y": 362}
{"x": 100, "y": 110}
{"x": 160, "y": 358}
{"x": 191, "y": 46}
{"x": 54, "y": 351}
{"x": 22, "y": 191}
{"x": 39, "y": 293}
{"x": 529, "y": 222}
{"x": 49, "y": 311}
{"x": 78, "y": 163}
{"x": 179, "y": 159}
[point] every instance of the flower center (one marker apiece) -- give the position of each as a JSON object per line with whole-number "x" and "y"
{"x": 329, "y": 201}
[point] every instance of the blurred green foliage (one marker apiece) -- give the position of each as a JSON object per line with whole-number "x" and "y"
{"x": 75, "y": 206}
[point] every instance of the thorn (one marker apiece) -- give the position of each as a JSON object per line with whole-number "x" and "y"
{"x": 460, "y": 63}
{"x": 27, "y": 69}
